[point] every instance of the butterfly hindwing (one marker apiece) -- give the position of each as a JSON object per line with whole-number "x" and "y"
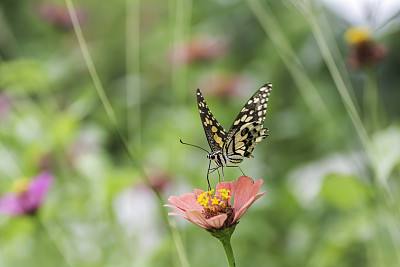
{"x": 243, "y": 142}
{"x": 215, "y": 134}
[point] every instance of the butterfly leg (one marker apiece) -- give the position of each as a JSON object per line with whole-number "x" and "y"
{"x": 209, "y": 171}
{"x": 223, "y": 174}
{"x": 241, "y": 171}
{"x": 219, "y": 176}
{"x": 237, "y": 167}
{"x": 208, "y": 180}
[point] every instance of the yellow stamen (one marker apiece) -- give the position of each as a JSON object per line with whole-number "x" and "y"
{"x": 225, "y": 193}
{"x": 215, "y": 201}
{"x": 203, "y": 198}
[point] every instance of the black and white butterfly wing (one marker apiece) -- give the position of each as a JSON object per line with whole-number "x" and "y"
{"x": 247, "y": 129}
{"x": 215, "y": 134}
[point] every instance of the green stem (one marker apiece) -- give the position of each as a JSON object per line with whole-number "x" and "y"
{"x": 371, "y": 112}
{"x": 111, "y": 115}
{"x": 225, "y": 237}
{"x": 226, "y": 243}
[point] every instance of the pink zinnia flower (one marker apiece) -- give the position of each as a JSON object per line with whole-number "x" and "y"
{"x": 215, "y": 212}
{"x": 58, "y": 15}
{"x": 28, "y": 197}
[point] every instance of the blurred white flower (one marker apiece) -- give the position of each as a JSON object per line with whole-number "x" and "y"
{"x": 137, "y": 210}
{"x": 139, "y": 213}
{"x": 306, "y": 181}
{"x": 375, "y": 14}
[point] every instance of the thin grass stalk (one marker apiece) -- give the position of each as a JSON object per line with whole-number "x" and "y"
{"x": 66, "y": 247}
{"x": 181, "y": 12}
{"x": 371, "y": 110}
{"x": 133, "y": 77}
{"x": 111, "y": 115}
{"x": 345, "y": 93}
{"x": 306, "y": 88}
{"x": 340, "y": 62}
{"x": 339, "y": 82}
{"x": 351, "y": 109}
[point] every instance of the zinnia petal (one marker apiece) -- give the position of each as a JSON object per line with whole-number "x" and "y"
{"x": 185, "y": 217}
{"x": 10, "y": 205}
{"x": 228, "y": 186}
{"x": 254, "y": 190}
{"x": 198, "y": 192}
{"x": 177, "y": 214}
{"x": 217, "y": 221}
{"x": 246, "y": 206}
{"x": 243, "y": 187}
{"x": 38, "y": 189}
{"x": 175, "y": 208}
{"x": 198, "y": 218}
{"x": 185, "y": 202}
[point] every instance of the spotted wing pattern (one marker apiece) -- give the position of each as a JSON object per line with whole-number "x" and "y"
{"x": 215, "y": 134}
{"x": 247, "y": 129}
{"x": 253, "y": 111}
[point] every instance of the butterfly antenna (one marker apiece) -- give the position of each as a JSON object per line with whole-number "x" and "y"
{"x": 193, "y": 145}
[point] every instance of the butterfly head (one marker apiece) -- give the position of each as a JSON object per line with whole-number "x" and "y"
{"x": 219, "y": 159}
{"x": 211, "y": 156}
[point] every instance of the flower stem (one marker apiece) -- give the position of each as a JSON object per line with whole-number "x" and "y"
{"x": 226, "y": 243}
{"x": 371, "y": 109}
{"x": 225, "y": 237}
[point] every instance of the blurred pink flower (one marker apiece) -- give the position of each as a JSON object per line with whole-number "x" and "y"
{"x": 29, "y": 195}
{"x": 215, "y": 212}
{"x": 5, "y": 104}
{"x": 199, "y": 48}
{"x": 224, "y": 84}
{"x": 58, "y": 15}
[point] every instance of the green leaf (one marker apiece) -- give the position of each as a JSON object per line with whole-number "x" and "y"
{"x": 387, "y": 151}
{"x": 343, "y": 192}
{"x": 23, "y": 76}
{"x": 64, "y": 129}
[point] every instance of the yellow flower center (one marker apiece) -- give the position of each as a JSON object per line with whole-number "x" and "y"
{"x": 20, "y": 185}
{"x": 356, "y": 35}
{"x": 214, "y": 205}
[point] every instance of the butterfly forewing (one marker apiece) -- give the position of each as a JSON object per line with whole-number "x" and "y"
{"x": 215, "y": 134}
{"x": 246, "y": 131}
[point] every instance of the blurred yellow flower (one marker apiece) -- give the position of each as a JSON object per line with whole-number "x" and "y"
{"x": 356, "y": 35}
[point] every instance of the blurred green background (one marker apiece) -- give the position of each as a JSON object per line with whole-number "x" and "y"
{"x": 330, "y": 165}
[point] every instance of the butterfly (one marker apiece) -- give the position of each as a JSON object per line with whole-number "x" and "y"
{"x": 246, "y": 131}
